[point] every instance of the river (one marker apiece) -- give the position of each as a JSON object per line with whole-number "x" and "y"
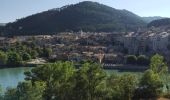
{"x": 9, "y": 77}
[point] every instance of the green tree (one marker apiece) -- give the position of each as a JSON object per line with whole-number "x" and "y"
{"x": 3, "y": 58}
{"x": 143, "y": 60}
{"x": 154, "y": 79}
{"x": 113, "y": 85}
{"x": 14, "y": 58}
{"x": 89, "y": 82}
{"x": 128, "y": 84}
{"x": 25, "y": 91}
{"x": 122, "y": 87}
{"x": 34, "y": 54}
{"x": 26, "y": 57}
{"x": 151, "y": 85}
{"x": 131, "y": 59}
{"x": 58, "y": 79}
{"x": 158, "y": 65}
{"x": 40, "y": 51}
{"x": 47, "y": 52}
{"x": 10, "y": 94}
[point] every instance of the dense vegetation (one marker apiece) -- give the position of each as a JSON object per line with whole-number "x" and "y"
{"x": 150, "y": 19}
{"x": 19, "y": 53}
{"x": 86, "y": 16}
{"x": 160, "y": 23}
{"x": 62, "y": 81}
{"x": 140, "y": 60}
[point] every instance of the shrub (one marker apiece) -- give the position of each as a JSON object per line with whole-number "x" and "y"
{"x": 150, "y": 85}
{"x": 26, "y": 57}
{"x": 131, "y": 59}
{"x": 143, "y": 60}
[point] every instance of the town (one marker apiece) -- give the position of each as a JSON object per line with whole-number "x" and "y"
{"x": 105, "y": 48}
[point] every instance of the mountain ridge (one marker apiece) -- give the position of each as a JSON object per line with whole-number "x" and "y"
{"x": 160, "y": 23}
{"x": 152, "y": 18}
{"x": 86, "y": 16}
{"x": 2, "y": 24}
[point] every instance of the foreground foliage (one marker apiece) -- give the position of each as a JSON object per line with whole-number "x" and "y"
{"x": 62, "y": 81}
{"x": 20, "y": 53}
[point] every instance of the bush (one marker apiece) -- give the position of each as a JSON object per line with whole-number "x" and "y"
{"x": 131, "y": 59}
{"x": 14, "y": 58}
{"x": 150, "y": 86}
{"x": 26, "y": 57}
{"x": 34, "y": 54}
{"x": 122, "y": 86}
{"x": 143, "y": 60}
{"x": 47, "y": 52}
{"x": 25, "y": 91}
{"x": 3, "y": 57}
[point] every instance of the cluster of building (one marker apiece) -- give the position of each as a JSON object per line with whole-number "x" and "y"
{"x": 102, "y": 47}
{"x": 147, "y": 43}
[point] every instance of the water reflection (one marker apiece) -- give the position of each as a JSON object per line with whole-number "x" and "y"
{"x": 11, "y": 76}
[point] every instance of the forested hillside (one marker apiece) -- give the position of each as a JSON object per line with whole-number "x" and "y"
{"x": 160, "y": 23}
{"x": 150, "y": 19}
{"x": 86, "y": 16}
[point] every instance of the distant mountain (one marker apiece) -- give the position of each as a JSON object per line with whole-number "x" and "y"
{"x": 1, "y": 29}
{"x": 86, "y": 16}
{"x": 2, "y": 24}
{"x": 160, "y": 23}
{"x": 150, "y": 19}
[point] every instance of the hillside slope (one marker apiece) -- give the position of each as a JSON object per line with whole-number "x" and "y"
{"x": 150, "y": 19}
{"x": 160, "y": 23}
{"x": 86, "y": 16}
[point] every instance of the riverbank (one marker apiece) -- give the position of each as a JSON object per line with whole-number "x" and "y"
{"x": 18, "y": 66}
{"x": 119, "y": 67}
{"x": 31, "y": 63}
{"x": 122, "y": 67}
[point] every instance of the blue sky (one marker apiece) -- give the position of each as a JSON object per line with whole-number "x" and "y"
{"x": 10, "y": 10}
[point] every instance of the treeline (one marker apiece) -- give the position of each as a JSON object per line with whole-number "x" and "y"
{"x": 62, "y": 81}
{"x": 20, "y": 53}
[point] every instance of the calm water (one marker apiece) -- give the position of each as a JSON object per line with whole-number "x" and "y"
{"x": 11, "y": 76}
